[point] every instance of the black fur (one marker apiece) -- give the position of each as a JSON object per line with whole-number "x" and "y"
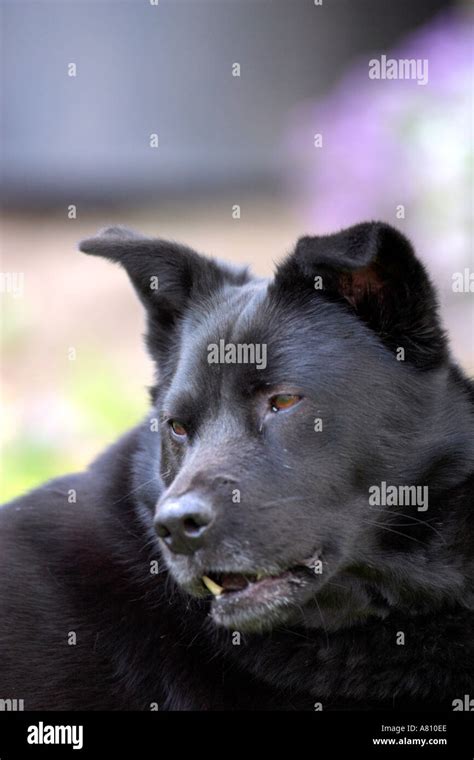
{"x": 78, "y": 555}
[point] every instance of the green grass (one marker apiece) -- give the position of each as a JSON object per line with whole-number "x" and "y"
{"x": 104, "y": 405}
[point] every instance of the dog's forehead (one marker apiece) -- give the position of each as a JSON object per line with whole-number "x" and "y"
{"x": 236, "y": 317}
{"x": 235, "y": 307}
{"x": 234, "y": 314}
{"x": 243, "y": 342}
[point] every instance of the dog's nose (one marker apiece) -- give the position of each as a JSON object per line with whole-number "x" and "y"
{"x": 182, "y": 523}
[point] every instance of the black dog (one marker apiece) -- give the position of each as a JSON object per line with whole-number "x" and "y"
{"x": 308, "y": 468}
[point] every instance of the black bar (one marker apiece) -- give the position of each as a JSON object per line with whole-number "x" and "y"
{"x": 155, "y": 734}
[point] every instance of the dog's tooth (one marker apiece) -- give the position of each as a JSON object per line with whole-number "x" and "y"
{"x": 213, "y": 587}
{"x": 260, "y": 576}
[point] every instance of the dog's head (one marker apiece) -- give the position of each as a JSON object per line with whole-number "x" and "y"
{"x": 284, "y": 405}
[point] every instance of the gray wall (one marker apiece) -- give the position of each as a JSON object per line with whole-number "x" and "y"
{"x": 167, "y": 69}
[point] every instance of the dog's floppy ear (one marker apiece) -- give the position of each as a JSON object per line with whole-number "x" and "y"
{"x": 373, "y": 270}
{"x": 166, "y": 275}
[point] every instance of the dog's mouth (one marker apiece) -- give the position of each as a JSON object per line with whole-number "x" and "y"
{"x": 258, "y": 601}
{"x": 239, "y": 583}
{"x": 254, "y": 599}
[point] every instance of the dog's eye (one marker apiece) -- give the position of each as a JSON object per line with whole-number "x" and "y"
{"x": 283, "y": 401}
{"x": 178, "y": 429}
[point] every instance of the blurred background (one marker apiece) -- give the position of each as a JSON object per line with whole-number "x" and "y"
{"x": 234, "y": 126}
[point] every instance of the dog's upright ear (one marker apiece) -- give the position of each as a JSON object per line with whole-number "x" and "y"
{"x": 168, "y": 278}
{"x": 372, "y": 269}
